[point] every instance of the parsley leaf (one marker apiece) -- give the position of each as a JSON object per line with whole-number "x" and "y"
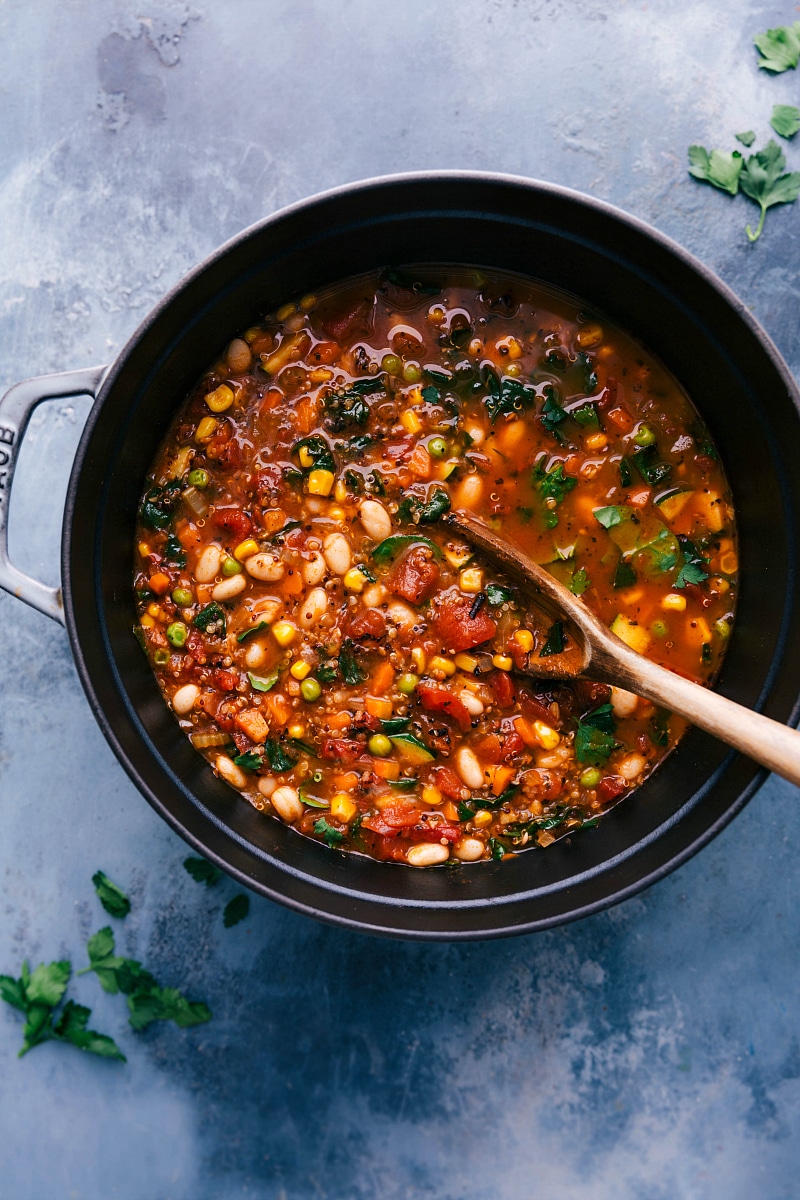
{"x": 165, "y": 1004}
{"x": 112, "y": 898}
{"x": 624, "y": 575}
{"x": 746, "y": 138}
{"x": 202, "y": 871}
{"x": 236, "y": 910}
{"x": 556, "y": 640}
{"x": 594, "y": 739}
{"x": 498, "y": 595}
{"x": 780, "y": 48}
{"x": 579, "y": 582}
{"x": 785, "y": 120}
{"x": 720, "y": 169}
{"x": 37, "y": 995}
{"x": 277, "y": 757}
{"x": 608, "y": 517}
{"x": 115, "y": 973}
{"x": 71, "y": 1027}
{"x": 552, "y": 484}
{"x": 333, "y": 837}
{"x": 553, "y": 413}
{"x": 251, "y": 760}
{"x": 763, "y": 181}
{"x": 694, "y": 565}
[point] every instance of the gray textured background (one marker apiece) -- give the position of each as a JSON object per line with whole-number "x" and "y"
{"x": 650, "y": 1053}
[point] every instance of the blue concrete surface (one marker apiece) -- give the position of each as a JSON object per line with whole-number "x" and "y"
{"x": 649, "y": 1053}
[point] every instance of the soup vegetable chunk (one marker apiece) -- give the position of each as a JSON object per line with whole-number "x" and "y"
{"x": 345, "y": 661}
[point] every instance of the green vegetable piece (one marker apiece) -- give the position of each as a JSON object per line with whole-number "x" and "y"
{"x": 552, "y": 484}
{"x": 644, "y": 436}
{"x": 351, "y": 671}
{"x": 395, "y": 724}
{"x": 241, "y": 637}
{"x": 694, "y": 565}
{"x": 230, "y": 567}
{"x": 263, "y": 683}
{"x": 202, "y": 871}
{"x": 310, "y": 690}
{"x": 211, "y": 615}
{"x": 411, "y": 750}
{"x": 319, "y": 451}
{"x": 496, "y": 848}
{"x": 160, "y": 657}
{"x": 403, "y": 785}
{"x": 719, "y": 168}
{"x": 506, "y": 397}
{"x": 198, "y": 478}
{"x": 764, "y": 182}
{"x": 379, "y": 745}
{"x": 553, "y": 413}
{"x": 497, "y": 595}
{"x": 307, "y": 796}
{"x": 277, "y": 757}
{"x": 785, "y": 120}
{"x": 412, "y": 372}
{"x": 556, "y": 640}
{"x": 392, "y": 364}
{"x": 390, "y": 547}
{"x": 407, "y": 683}
{"x": 174, "y": 551}
{"x": 625, "y": 476}
{"x": 650, "y": 466}
{"x": 177, "y": 634}
{"x": 610, "y": 516}
{"x": 624, "y": 576}
{"x": 747, "y": 138}
{"x": 779, "y": 48}
{"x": 586, "y": 414}
{"x": 590, "y": 777}
{"x": 182, "y": 597}
{"x": 435, "y": 507}
{"x": 112, "y": 897}
{"x": 236, "y": 910}
{"x": 332, "y": 836}
{"x": 251, "y": 760}
{"x": 299, "y": 744}
{"x": 594, "y": 739}
{"x": 580, "y": 582}
{"x": 437, "y": 447}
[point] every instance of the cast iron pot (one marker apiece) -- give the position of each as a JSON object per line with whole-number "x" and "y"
{"x": 624, "y": 269}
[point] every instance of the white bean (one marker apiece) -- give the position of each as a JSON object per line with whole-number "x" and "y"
{"x": 228, "y": 588}
{"x": 469, "y": 493}
{"x": 312, "y": 608}
{"x": 624, "y": 703}
{"x": 184, "y": 699}
{"x": 255, "y": 655}
{"x": 314, "y": 570}
{"x": 287, "y": 804}
{"x": 208, "y": 563}
{"x": 471, "y": 703}
{"x": 401, "y": 614}
{"x": 476, "y": 432}
{"x": 267, "y": 785}
{"x": 238, "y": 355}
{"x": 427, "y": 854}
{"x": 468, "y": 849}
{"x": 338, "y": 555}
{"x": 631, "y": 766}
{"x": 469, "y": 768}
{"x": 374, "y": 595}
{"x": 375, "y": 520}
{"x": 229, "y": 771}
{"x": 264, "y": 566}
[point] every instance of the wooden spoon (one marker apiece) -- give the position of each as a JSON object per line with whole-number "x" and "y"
{"x": 593, "y": 651}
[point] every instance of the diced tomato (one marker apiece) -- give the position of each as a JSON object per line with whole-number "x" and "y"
{"x": 342, "y": 749}
{"x": 324, "y": 354}
{"x": 544, "y": 785}
{"x": 435, "y": 832}
{"x": 448, "y": 782}
{"x": 589, "y": 695}
{"x": 439, "y": 700}
{"x": 512, "y": 745}
{"x": 269, "y": 484}
{"x": 230, "y": 455}
{"x": 620, "y": 418}
{"x": 489, "y": 748}
{"x": 610, "y": 787}
{"x": 233, "y": 521}
{"x": 415, "y": 575}
{"x": 242, "y": 741}
{"x": 452, "y": 622}
{"x": 226, "y": 681}
{"x": 225, "y": 715}
{"x": 196, "y": 647}
{"x": 703, "y": 597}
{"x": 369, "y": 623}
{"x": 354, "y": 315}
{"x": 503, "y": 686}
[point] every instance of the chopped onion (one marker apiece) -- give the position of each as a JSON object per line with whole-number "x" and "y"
{"x": 196, "y": 502}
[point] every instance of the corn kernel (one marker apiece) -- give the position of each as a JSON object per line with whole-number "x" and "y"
{"x": 431, "y": 795}
{"x": 220, "y": 399}
{"x": 144, "y": 550}
{"x": 415, "y": 396}
{"x": 471, "y": 580}
{"x": 524, "y": 639}
{"x": 340, "y": 491}
{"x": 483, "y": 818}
{"x": 457, "y": 556}
{"x": 306, "y": 457}
{"x": 419, "y": 659}
{"x": 297, "y": 730}
{"x": 147, "y": 621}
{"x": 672, "y": 602}
{"x": 465, "y": 662}
{"x": 300, "y": 669}
{"x": 336, "y": 514}
{"x": 342, "y": 807}
{"x": 445, "y": 665}
{"x": 205, "y": 429}
{"x": 410, "y": 421}
{"x": 285, "y": 311}
{"x": 284, "y": 633}
{"x": 596, "y": 441}
{"x": 354, "y": 581}
{"x": 321, "y": 375}
{"x": 503, "y": 662}
{"x": 590, "y": 335}
{"x": 246, "y": 549}
{"x": 154, "y": 611}
{"x": 320, "y": 482}
{"x": 546, "y": 736}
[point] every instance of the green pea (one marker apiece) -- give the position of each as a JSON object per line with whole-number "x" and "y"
{"x": 198, "y": 478}
{"x": 590, "y": 777}
{"x": 407, "y": 683}
{"x": 437, "y": 447}
{"x": 392, "y": 364}
{"x": 231, "y": 567}
{"x": 177, "y": 634}
{"x": 161, "y": 657}
{"x": 723, "y": 628}
{"x": 412, "y": 372}
{"x": 310, "y": 690}
{"x": 182, "y": 597}
{"x": 644, "y": 436}
{"x": 659, "y": 629}
{"x": 379, "y": 745}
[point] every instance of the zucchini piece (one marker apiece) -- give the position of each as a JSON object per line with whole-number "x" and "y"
{"x": 410, "y": 749}
{"x": 632, "y": 634}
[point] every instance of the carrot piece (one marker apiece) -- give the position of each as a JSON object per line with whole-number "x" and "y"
{"x": 278, "y": 708}
{"x": 378, "y": 708}
{"x": 159, "y": 583}
{"x": 307, "y": 412}
{"x": 189, "y": 536}
{"x": 386, "y": 768}
{"x": 382, "y": 678}
{"x": 292, "y": 584}
{"x": 526, "y": 732}
{"x": 501, "y": 777}
{"x": 420, "y": 462}
{"x": 345, "y": 780}
{"x": 339, "y": 720}
{"x": 450, "y": 811}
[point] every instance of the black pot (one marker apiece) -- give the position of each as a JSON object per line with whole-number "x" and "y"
{"x": 644, "y": 283}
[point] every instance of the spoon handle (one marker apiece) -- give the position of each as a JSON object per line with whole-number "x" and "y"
{"x": 768, "y": 742}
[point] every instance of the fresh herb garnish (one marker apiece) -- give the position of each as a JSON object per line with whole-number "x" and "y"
{"x": 746, "y": 138}
{"x": 498, "y": 595}
{"x": 785, "y": 120}
{"x": 694, "y": 565}
{"x": 556, "y": 640}
{"x": 38, "y": 994}
{"x": 202, "y": 871}
{"x": 552, "y": 484}
{"x": 333, "y": 837}
{"x": 251, "y": 760}
{"x": 212, "y": 614}
{"x": 579, "y": 582}
{"x": 158, "y": 505}
{"x": 327, "y": 672}
{"x": 779, "y": 48}
{"x": 586, "y": 414}
{"x": 553, "y": 413}
{"x": 506, "y": 396}
{"x": 594, "y": 739}
{"x": 277, "y": 757}
{"x": 174, "y": 551}
{"x": 263, "y": 683}
{"x": 651, "y": 468}
{"x": 246, "y": 633}
{"x": 719, "y": 168}
{"x": 351, "y": 671}
{"x": 165, "y": 1004}
{"x": 112, "y": 897}
{"x": 318, "y": 451}
{"x": 609, "y": 517}
{"x": 236, "y": 910}
{"x": 763, "y": 181}
{"x": 624, "y": 575}
{"x": 496, "y": 848}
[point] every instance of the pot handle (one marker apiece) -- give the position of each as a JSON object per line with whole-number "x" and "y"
{"x": 16, "y": 408}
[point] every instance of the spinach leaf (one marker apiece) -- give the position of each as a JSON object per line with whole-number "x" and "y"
{"x": 318, "y": 450}
{"x": 332, "y": 836}
{"x": 277, "y": 757}
{"x": 351, "y": 671}
{"x": 553, "y": 413}
{"x": 506, "y": 396}
{"x": 594, "y": 739}
{"x": 624, "y": 575}
{"x": 650, "y": 466}
{"x": 211, "y": 615}
{"x": 556, "y": 640}
{"x": 552, "y": 484}
{"x": 580, "y": 582}
{"x": 241, "y": 637}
